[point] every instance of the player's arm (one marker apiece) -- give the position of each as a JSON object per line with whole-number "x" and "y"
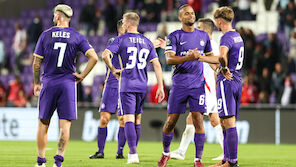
{"x": 158, "y": 72}
{"x": 223, "y": 59}
{"x": 209, "y": 58}
{"x": 172, "y": 59}
{"x": 36, "y": 74}
{"x": 106, "y": 56}
{"x": 92, "y": 61}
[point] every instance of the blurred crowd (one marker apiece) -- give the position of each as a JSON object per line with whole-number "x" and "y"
{"x": 269, "y": 72}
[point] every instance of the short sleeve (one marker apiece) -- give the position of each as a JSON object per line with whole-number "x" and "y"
{"x": 153, "y": 55}
{"x": 39, "y": 49}
{"x": 226, "y": 42}
{"x": 208, "y": 46}
{"x": 171, "y": 43}
{"x": 114, "y": 46}
{"x": 84, "y": 45}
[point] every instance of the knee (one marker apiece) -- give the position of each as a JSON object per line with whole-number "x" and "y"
{"x": 104, "y": 122}
{"x": 121, "y": 121}
{"x": 169, "y": 126}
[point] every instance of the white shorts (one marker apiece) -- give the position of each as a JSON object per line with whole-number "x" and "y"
{"x": 211, "y": 100}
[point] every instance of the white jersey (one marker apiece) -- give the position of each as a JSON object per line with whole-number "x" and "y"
{"x": 210, "y": 87}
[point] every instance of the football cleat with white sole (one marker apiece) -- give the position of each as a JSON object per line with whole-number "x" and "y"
{"x": 133, "y": 159}
{"x": 177, "y": 154}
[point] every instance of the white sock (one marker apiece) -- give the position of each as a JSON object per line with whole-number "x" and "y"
{"x": 187, "y": 137}
{"x": 219, "y": 134}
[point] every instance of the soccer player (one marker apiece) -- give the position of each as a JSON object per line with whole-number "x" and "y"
{"x": 229, "y": 82}
{"x": 109, "y": 105}
{"x": 56, "y": 48}
{"x": 134, "y": 51}
{"x": 188, "y": 81}
{"x": 206, "y": 25}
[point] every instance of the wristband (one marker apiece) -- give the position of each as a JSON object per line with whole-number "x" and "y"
{"x": 224, "y": 68}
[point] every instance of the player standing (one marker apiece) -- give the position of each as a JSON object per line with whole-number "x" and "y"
{"x": 188, "y": 81}
{"x": 134, "y": 51}
{"x": 109, "y": 105}
{"x": 208, "y": 26}
{"x": 57, "y": 48}
{"x": 229, "y": 82}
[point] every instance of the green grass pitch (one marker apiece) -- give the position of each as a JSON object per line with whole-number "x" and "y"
{"x": 23, "y": 154}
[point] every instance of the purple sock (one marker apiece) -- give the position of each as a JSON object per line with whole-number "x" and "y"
{"x": 199, "y": 140}
{"x": 232, "y": 142}
{"x": 226, "y": 153}
{"x": 40, "y": 161}
{"x": 138, "y": 131}
{"x": 121, "y": 140}
{"x": 101, "y": 139}
{"x": 131, "y": 136}
{"x": 166, "y": 141}
{"x": 58, "y": 160}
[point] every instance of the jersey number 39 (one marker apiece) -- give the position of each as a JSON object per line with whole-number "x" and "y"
{"x": 143, "y": 54}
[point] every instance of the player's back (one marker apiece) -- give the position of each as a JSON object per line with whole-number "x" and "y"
{"x": 134, "y": 51}
{"x": 234, "y": 42}
{"x": 58, "y": 46}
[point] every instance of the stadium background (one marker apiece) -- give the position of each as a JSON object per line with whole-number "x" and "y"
{"x": 268, "y": 28}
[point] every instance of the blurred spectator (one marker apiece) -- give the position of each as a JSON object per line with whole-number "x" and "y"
{"x": 152, "y": 94}
{"x": 197, "y": 7}
{"x": 289, "y": 16}
{"x": 264, "y": 86}
{"x": 2, "y": 54}
{"x": 138, "y": 4}
{"x": 280, "y": 8}
{"x": 2, "y": 95}
{"x": 265, "y": 61}
{"x": 151, "y": 11}
{"x": 21, "y": 100}
{"x": 292, "y": 51}
{"x": 110, "y": 14}
{"x": 19, "y": 45}
{"x": 265, "y": 80}
{"x": 249, "y": 91}
{"x": 87, "y": 100}
{"x": 223, "y": 2}
{"x": 169, "y": 10}
{"x": 250, "y": 43}
{"x": 244, "y": 12}
{"x": 34, "y": 31}
{"x": 121, "y": 8}
{"x": 277, "y": 82}
{"x": 287, "y": 93}
{"x": 15, "y": 86}
{"x": 90, "y": 17}
{"x": 272, "y": 43}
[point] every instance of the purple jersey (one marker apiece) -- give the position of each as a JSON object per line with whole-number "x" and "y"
{"x": 134, "y": 50}
{"x": 188, "y": 74}
{"x": 110, "y": 80}
{"x": 234, "y": 42}
{"x": 58, "y": 48}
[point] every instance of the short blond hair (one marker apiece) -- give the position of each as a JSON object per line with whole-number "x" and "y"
{"x": 132, "y": 17}
{"x": 225, "y": 13}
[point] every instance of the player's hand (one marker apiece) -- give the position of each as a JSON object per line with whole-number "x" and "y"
{"x": 226, "y": 73}
{"x": 37, "y": 88}
{"x": 116, "y": 72}
{"x": 78, "y": 77}
{"x": 159, "y": 95}
{"x": 193, "y": 54}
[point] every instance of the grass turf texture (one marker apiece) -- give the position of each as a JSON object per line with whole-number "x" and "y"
{"x": 23, "y": 154}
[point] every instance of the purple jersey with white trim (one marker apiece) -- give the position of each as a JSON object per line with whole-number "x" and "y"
{"x": 134, "y": 51}
{"x": 234, "y": 42}
{"x": 58, "y": 48}
{"x": 188, "y": 74}
{"x": 110, "y": 80}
